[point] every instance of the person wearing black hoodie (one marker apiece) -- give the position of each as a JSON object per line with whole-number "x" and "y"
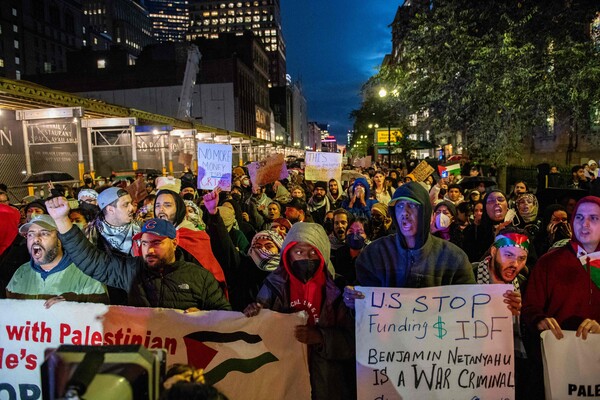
{"x": 411, "y": 258}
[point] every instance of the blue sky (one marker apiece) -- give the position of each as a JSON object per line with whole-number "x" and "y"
{"x": 333, "y": 47}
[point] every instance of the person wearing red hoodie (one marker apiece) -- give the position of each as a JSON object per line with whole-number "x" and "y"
{"x": 10, "y": 218}
{"x": 564, "y": 286}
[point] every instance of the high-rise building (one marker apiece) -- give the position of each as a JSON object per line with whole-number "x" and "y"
{"x": 210, "y": 18}
{"x": 124, "y": 23}
{"x": 36, "y": 35}
{"x": 170, "y": 19}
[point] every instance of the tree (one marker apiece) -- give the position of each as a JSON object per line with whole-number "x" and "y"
{"x": 496, "y": 71}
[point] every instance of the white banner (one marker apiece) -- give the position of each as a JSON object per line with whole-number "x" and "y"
{"x": 571, "y": 366}
{"x": 265, "y": 360}
{"x": 214, "y": 166}
{"x": 322, "y": 166}
{"x": 447, "y": 342}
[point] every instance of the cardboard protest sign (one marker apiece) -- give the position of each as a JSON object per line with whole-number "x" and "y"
{"x": 447, "y": 342}
{"x": 571, "y": 366}
{"x": 322, "y": 166}
{"x": 214, "y": 166}
{"x": 137, "y": 190}
{"x": 235, "y": 351}
{"x": 269, "y": 170}
{"x": 422, "y": 171}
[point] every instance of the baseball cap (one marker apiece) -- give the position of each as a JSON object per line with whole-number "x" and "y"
{"x": 43, "y": 220}
{"x": 158, "y": 227}
{"x": 109, "y": 195}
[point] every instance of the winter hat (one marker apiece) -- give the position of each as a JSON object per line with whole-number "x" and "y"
{"x": 320, "y": 184}
{"x": 87, "y": 193}
{"x": 283, "y": 222}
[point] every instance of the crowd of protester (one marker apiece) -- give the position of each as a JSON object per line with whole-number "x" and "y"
{"x": 160, "y": 242}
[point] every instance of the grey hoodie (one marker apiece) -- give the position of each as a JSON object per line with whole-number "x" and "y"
{"x": 388, "y": 262}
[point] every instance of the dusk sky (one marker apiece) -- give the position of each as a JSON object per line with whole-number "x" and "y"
{"x": 333, "y": 47}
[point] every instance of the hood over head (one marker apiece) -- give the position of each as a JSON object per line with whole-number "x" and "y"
{"x": 179, "y": 205}
{"x": 362, "y": 181}
{"x": 311, "y": 233}
{"x": 413, "y": 191}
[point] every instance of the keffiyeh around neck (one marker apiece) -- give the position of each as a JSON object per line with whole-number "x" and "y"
{"x": 119, "y": 237}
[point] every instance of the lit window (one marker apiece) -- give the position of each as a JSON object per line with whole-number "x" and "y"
{"x": 14, "y": 12}
{"x": 84, "y": 42}
{"x": 18, "y": 74}
{"x": 17, "y": 60}
{"x": 1, "y": 62}
{"x": 47, "y": 67}
{"x": 15, "y": 28}
{"x": 101, "y": 63}
{"x": 95, "y": 40}
{"x": 16, "y": 42}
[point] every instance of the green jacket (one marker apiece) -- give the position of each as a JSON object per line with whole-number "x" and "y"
{"x": 65, "y": 279}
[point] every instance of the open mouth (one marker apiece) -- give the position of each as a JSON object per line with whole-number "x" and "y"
{"x": 36, "y": 251}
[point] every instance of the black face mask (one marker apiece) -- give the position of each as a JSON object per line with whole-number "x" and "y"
{"x": 304, "y": 269}
{"x": 355, "y": 242}
{"x": 443, "y": 192}
{"x": 237, "y": 197}
{"x": 188, "y": 196}
{"x": 88, "y": 181}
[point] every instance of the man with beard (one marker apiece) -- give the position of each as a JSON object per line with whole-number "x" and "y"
{"x": 194, "y": 243}
{"x": 341, "y": 221}
{"x": 50, "y": 272}
{"x": 318, "y": 204}
{"x": 157, "y": 278}
{"x": 411, "y": 258}
{"x": 296, "y": 211}
{"x": 114, "y": 228}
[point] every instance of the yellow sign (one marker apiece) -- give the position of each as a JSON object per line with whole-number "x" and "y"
{"x": 394, "y": 135}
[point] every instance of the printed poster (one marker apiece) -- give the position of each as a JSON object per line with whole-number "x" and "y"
{"x": 237, "y": 351}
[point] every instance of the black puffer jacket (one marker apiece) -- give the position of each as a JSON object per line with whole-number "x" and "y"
{"x": 181, "y": 285}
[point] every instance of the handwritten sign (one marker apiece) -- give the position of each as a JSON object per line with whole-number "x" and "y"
{"x": 447, "y": 342}
{"x": 422, "y": 171}
{"x": 214, "y": 166}
{"x": 208, "y": 340}
{"x": 269, "y": 170}
{"x": 322, "y": 166}
{"x": 571, "y": 366}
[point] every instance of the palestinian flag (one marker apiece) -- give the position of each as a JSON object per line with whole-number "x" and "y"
{"x": 591, "y": 263}
{"x": 453, "y": 169}
{"x": 221, "y": 353}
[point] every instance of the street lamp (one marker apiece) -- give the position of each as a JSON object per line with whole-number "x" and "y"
{"x": 383, "y": 93}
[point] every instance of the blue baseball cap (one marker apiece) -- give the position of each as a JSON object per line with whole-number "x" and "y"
{"x": 158, "y": 227}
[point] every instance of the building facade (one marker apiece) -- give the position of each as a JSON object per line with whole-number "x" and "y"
{"x": 212, "y": 18}
{"x": 36, "y": 35}
{"x": 124, "y": 23}
{"x": 170, "y": 19}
